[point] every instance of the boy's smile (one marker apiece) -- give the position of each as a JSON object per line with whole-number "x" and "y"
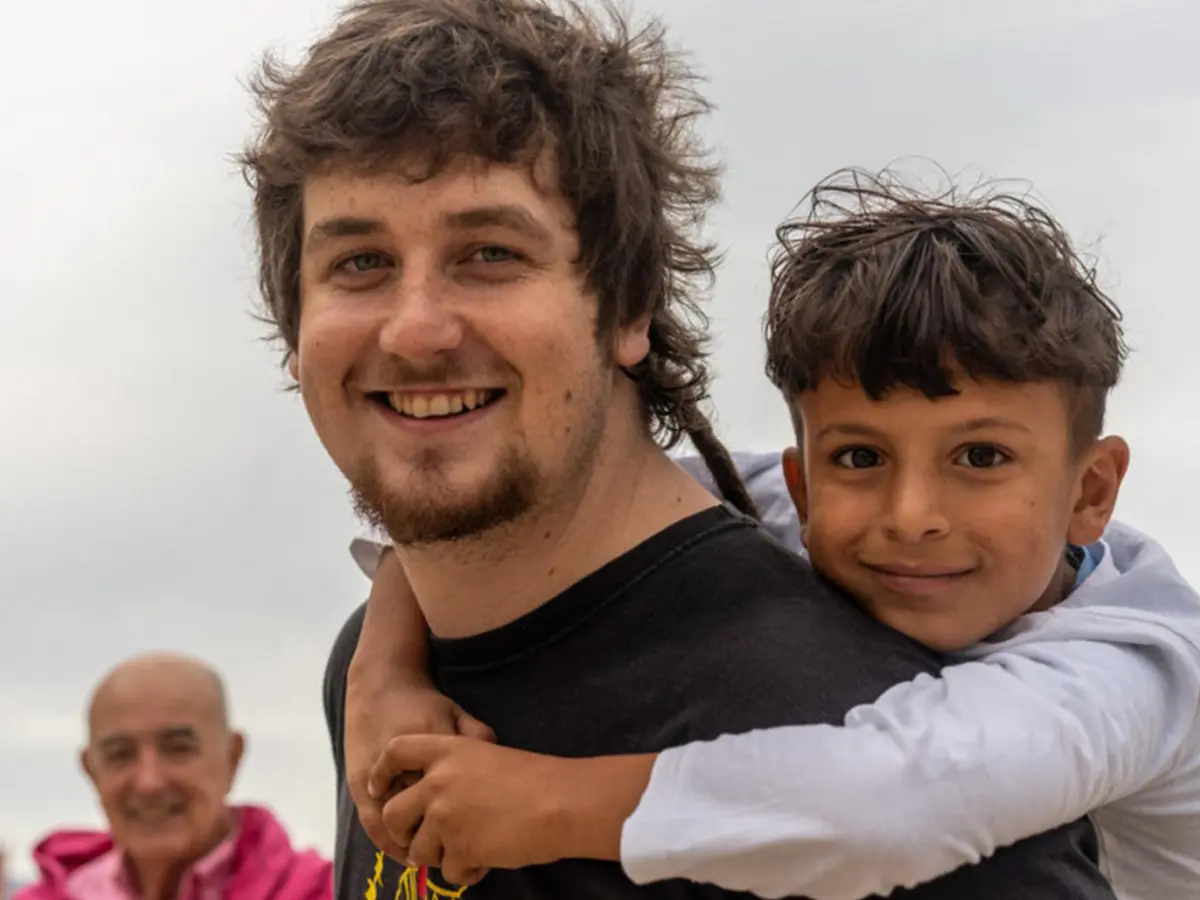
{"x": 948, "y": 518}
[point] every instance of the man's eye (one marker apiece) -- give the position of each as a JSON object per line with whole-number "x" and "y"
{"x": 494, "y": 254}
{"x": 982, "y": 456}
{"x": 857, "y": 458}
{"x": 362, "y": 262}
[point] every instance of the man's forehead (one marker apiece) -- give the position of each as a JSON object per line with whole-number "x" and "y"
{"x": 153, "y": 693}
{"x": 152, "y": 711}
{"x": 392, "y": 192}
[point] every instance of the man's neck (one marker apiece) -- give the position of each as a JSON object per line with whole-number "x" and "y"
{"x": 632, "y": 493}
{"x": 154, "y": 881}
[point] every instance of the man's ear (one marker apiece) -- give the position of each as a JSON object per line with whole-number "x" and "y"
{"x": 633, "y": 342}
{"x": 1100, "y": 477}
{"x": 85, "y": 763}
{"x": 793, "y": 474}
{"x": 237, "y": 749}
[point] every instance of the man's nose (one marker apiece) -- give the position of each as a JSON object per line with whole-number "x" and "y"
{"x": 915, "y": 509}
{"x": 150, "y": 775}
{"x": 423, "y": 321}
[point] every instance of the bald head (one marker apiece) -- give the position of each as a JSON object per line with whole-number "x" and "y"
{"x": 156, "y": 674}
{"x": 162, "y": 757}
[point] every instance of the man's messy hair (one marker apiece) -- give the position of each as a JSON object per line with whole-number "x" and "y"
{"x": 887, "y": 286}
{"x": 506, "y": 81}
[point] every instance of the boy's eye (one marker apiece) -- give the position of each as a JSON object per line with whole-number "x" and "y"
{"x": 857, "y": 458}
{"x": 982, "y": 456}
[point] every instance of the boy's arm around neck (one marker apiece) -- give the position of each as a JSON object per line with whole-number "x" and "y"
{"x": 936, "y": 774}
{"x": 389, "y": 691}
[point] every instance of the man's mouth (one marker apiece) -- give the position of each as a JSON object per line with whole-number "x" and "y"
{"x": 439, "y": 405}
{"x": 159, "y": 814}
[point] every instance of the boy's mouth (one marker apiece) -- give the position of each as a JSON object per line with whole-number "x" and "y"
{"x": 898, "y": 570}
{"x": 924, "y": 582}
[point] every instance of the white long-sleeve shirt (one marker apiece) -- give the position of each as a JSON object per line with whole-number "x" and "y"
{"x": 1090, "y": 707}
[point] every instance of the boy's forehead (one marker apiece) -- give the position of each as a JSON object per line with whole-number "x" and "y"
{"x": 978, "y": 402}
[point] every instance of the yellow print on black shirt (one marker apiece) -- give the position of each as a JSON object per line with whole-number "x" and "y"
{"x": 413, "y": 884}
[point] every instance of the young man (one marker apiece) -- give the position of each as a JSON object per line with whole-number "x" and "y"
{"x": 946, "y": 362}
{"x": 476, "y": 222}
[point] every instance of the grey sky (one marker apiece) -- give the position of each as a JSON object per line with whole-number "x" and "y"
{"x": 157, "y": 488}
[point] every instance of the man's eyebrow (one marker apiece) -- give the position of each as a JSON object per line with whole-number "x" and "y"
{"x": 114, "y": 742}
{"x": 514, "y": 218}
{"x": 340, "y": 226}
{"x": 177, "y": 731}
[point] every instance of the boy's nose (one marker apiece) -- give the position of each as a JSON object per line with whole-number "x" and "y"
{"x": 915, "y": 512}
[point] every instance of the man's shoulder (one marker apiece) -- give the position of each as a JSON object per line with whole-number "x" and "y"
{"x": 334, "y": 683}
{"x": 733, "y": 578}
{"x": 723, "y": 540}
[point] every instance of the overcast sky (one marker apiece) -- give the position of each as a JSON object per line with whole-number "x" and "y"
{"x": 158, "y": 490}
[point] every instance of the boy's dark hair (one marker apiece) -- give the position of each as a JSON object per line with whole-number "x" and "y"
{"x": 884, "y": 286}
{"x": 506, "y": 80}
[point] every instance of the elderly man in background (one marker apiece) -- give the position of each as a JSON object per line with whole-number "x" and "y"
{"x": 162, "y": 757}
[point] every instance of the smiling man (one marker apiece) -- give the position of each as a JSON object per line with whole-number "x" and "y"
{"x": 477, "y": 225}
{"x": 162, "y": 758}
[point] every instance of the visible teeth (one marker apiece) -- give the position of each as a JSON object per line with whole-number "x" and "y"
{"x": 425, "y": 406}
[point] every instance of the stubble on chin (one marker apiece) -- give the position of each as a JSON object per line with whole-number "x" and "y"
{"x": 428, "y": 515}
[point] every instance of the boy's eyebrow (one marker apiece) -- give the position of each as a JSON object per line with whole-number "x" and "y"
{"x": 858, "y": 429}
{"x": 850, "y": 429}
{"x": 992, "y": 422}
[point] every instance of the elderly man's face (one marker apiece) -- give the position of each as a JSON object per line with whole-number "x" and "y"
{"x": 163, "y": 761}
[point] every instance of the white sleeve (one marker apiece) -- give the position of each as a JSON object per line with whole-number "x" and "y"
{"x": 937, "y": 773}
{"x": 367, "y": 549}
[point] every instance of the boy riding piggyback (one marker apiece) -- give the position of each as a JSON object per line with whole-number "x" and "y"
{"x": 946, "y": 361}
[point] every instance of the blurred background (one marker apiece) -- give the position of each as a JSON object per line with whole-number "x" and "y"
{"x": 158, "y": 489}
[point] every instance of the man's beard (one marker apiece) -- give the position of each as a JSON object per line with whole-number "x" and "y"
{"x": 424, "y": 517}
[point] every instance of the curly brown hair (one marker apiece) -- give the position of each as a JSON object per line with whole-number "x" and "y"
{"x": 884, "y": 285}
{"x": 506, "y": 80}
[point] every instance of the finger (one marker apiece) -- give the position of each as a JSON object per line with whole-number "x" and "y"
{"x": 402, "y": 814}
{"x": 458, "y": 874}
{"x": 407, "y": 753}
{"x": 469, "y": 726}
{"x": 426, "y": 848}
{"x": 372, "y": 823}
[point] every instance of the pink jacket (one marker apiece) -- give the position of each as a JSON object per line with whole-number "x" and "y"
{"x": 265, "y": 865}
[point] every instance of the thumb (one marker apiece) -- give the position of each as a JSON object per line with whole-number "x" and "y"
{"x": 469, "y": 726}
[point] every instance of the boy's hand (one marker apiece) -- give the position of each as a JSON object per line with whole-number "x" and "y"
{"x": 376, "y": 713}
{"x": 478, "y": 806}
{"x": 388, "y": 692}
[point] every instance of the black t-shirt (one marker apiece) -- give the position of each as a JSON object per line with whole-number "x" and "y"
{"x": 707, "y": 628}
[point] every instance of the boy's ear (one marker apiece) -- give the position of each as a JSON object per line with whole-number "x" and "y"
{"x": 793, "y": 474}
{"x": 1096, "y": 495}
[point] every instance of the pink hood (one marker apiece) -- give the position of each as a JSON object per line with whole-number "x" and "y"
{"x": 265, "y": 865}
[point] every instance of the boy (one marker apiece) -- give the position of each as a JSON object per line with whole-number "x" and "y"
{"x": 946, "y": 363}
